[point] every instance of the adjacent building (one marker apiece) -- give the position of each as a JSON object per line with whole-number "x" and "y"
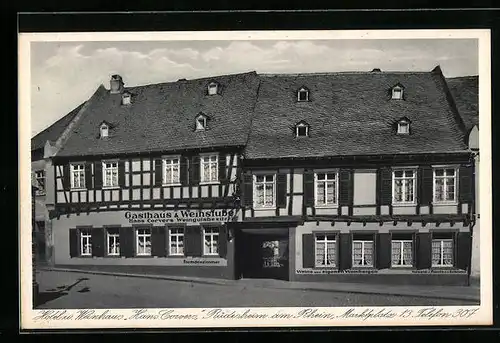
{"x": 363, "y": 176}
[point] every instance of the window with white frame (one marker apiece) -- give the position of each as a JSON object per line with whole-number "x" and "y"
{"x": 143, "y": 240}
{"x": 77, "y": 175}
{"x": 212, "y": 88}
{"x": 40, "y": 180}
{"x": 210, "y": 241}
{"x": 171, "y": 167}
{"x": 326, "y": 188}
{"x": 442, "y": 250}
{"x": 362, "y": 251}
{"x": 201, "y": 122}
{"x": 110, "y": 174}
{"x": 325, "y": 250}
{"x": 264, "y": 190}
{"x": 445, "y": 184}
{"x": 404, "y": 186}
{"x": 403, "y": 127}
{"x": 397, "y": 93}
{"x": 104, "y": 130}
{"x": 301, "y": 130}
{"x": 176, "y": 239}
{"x": 303, "y": 95}
{"x": 209, "y": 168}
{"x": 402, "y": 250}
{"x": 113, "y": 242}
{"x": 85, "y": 242}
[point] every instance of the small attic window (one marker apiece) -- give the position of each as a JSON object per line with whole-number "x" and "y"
{"x": 404, "y": 127}
{"x": 213, "y": 88}
{"x": 104, "y": 130}
{"x": 302, "y": 129}
{"x": 397, "y": 92}
{"x": 303, "y": 94}
{"x": 201, "y": 122}
{"x": 126, "y": 98}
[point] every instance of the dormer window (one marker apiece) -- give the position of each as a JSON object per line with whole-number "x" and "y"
{"x": 404, "y": 126}
{"x": 213, "y": 88}
{"x": 201, "y": 122}
{"x": 104, "y": 130}
{"x": 397, "y": 92}
{"x": 303, "y": 94}
{"x": 126, "y": 98}
{"x": 302, "y": 129}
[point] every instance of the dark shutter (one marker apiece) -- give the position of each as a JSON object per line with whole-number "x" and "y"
{"x": 308, "y": 250}
{"x": 193, "y": 241}
{"x": 465, "y": 183}
{"x": 247, "y": 188}
{"x": 345, "y": 197}
{"x": 127, "y": 241}
{"x": 426, "y": 197}
{"x": 158, "y": 172}
{"x": 222, "y": 167}
{"x": 98, "y": 240}
{"x": 281, "y": 191}
{"x": 384, "y": 250}
{"x": 222, "y": 241}
{"x": 385, "y": 186}
{"x": 158, "y": 241}
{"x": 73, "y": 243}
{"x": 66, "y": 177}
{"x": 88, "y": 175}
{"x": 463, "y": 250}
{"x": 424, "y": 253}
{"x": 98, "y": 175}
{"x": 308, "y": 188}
{"x": 121, "y": 173}
{"x": 183, "y": 170}
{"x": 345, "y": 252}
{"x": 194, "y": 170}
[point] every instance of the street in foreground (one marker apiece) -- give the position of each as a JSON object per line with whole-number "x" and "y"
{"x": 71, "y": 290}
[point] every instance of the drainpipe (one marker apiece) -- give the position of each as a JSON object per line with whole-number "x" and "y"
{"x": 472, "y": 212}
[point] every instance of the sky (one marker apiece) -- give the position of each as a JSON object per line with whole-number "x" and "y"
{"x": 65, "y": 74}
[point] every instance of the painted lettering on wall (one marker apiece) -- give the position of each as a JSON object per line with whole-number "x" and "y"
{"x": 179, "y": 216}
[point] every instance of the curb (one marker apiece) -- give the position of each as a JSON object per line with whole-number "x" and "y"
{"x": 224, "y": 282}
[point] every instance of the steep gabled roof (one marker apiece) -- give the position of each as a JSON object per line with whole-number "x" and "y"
{"x": 465, "y": 91}
{"x": 161, "y": 117}
{"x": 352, "y": 114}
{"x": 53, "y": 132}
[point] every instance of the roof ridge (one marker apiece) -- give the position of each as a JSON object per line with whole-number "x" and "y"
{"x": 342, "y": 73}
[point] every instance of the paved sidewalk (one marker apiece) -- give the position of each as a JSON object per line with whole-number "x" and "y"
{"x": 470, "y": 293}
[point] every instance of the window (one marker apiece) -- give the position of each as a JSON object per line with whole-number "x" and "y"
{"x": 362, "y": 251}
{"x": 302, "y": 129}
{"x": 403, "y": 128}
{"x": 176, "y": 236}
{"x": 40, "y": 180}
{"x": 402, "y": 251}
{"x": 104, "y": 130}
{"x": 209, "y": 168}
{"x": 113, "y": 242}
{"x": 303, "y": 95}
{"x": 397, "y": 93}
{"x": 143, "y": 240}
{"x": 171, "y": 166}
{"x": 211, "y": 241}
{"x": 325, "y": 251}
{"x": 264, "y": 190}
{"x": 110, "y": 174}
{"x": 326, "y": 188}
{"x": 85, "y": 242}
{"x": 212, "y": 88}
{"x": 201, "y": 122}
{"x": 77, "y": 176}
{"x": 126, "y": 98}
{"x": 445, "y": 184}
{"x": 404, "y": 183}
{"x": 442, "y": 250}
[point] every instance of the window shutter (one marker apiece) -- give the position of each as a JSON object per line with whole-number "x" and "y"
{"x": 158, "y": 241}
{"x": 465, "y": 183}
{"x": 385, "y": 186}
{"x": 183, "y": 170}
{"x": 66, "y": 177}
{"x": 98, "y": 175}
{"x": 98, "y": 242}
{"x": 158, "y": 172}
{"x": 345, "y": 252}
{"x": 345, "y": 197}
{"x": 73, "y": 243}
{"x": 308, "y": 250}
{"x": 384, "y": 250}
{"x": 424, "y": 250}
{"x": 222, "y": 167}
{"x": 88, "y": 175}
{"x": 247, "y": 196}
{"x": 281, "y": 191}
{"x": 127, "y": 241}
{"x": 463, "y": 250}
{"x": 193, "y": 241}
{"x": 309, "y": 188}
{"x": 194, "y": 170}
{"x": 426, "y": 186}
{"x": 222, "y": 241}
{"x": 121, "y": 173}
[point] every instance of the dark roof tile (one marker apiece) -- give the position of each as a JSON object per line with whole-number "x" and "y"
{"x": 465, "y": 91}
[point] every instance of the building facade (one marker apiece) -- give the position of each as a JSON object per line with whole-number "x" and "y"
{"x": 338, "y": 176}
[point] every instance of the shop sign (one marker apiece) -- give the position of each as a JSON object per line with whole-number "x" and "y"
{"x": 179, "y": 216}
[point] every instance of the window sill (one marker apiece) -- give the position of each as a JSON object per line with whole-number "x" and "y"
{"x": 77, "y": 189}
{"x": 264, "y": 208}
{"x": 404, "y": 204}
{"x": 171, "y": 184}
{"x": 143, "y": 256}
{"x": 111, "y": 187}
{"x": 330, "y": 207}
{"x": 204, "y": 183}
{"x": 445, "y": 203}
{"x": 211, "y": 255}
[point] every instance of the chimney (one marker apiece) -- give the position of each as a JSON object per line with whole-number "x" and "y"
{"x": 116, "y": 84}
{"x": 376, "y": 70}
